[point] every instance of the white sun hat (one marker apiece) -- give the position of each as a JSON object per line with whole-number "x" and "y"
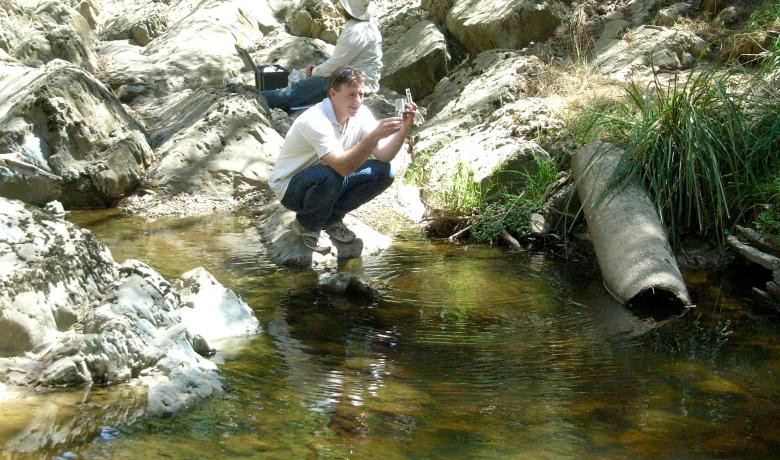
{"x": 358, "y": 9}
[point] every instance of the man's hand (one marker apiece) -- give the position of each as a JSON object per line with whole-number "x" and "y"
{"x": 308, "y": 70}
{"x": 387, "y": 127}
{"x": 409, "y": 111}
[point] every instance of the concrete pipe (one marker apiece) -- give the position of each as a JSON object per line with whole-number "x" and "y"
{"x": 628, "y": 238}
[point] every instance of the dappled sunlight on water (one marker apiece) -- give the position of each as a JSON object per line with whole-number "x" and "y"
{"x": 472, "y": 353}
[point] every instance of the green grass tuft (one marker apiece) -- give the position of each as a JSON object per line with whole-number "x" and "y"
{"x": 699, "y": 146}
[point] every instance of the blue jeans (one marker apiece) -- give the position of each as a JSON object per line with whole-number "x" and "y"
{"x": 320, "y": 196}
{"x": 307, "y": 91}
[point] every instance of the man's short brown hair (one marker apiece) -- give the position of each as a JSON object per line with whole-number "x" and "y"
{"x": 345, "y": 74}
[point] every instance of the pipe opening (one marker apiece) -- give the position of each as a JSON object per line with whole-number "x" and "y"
{"x": 659, "y": 304}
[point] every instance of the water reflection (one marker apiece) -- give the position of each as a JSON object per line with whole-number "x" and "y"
{"x": 35, "y": 425}
{"x": 472, "y": 353}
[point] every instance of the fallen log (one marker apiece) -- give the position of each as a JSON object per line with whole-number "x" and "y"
{"x": 628, "y": 238}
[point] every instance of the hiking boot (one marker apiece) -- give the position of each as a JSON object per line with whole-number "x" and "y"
{"x": 309, "y": 238}
{"x": 339, "y": 232}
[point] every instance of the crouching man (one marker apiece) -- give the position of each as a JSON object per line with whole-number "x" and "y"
{"x": 336, "y": 157}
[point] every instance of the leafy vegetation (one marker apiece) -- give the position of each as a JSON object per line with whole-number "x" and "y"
{"x": 464, "y": 195}
{"x": 512, "y": 209}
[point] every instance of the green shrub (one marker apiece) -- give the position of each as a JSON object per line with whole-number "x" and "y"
{"x": 463, "y": 195}
{"x": 512, "y": 209}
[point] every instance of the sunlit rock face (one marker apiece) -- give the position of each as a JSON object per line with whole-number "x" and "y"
{"x": 181, "y": 45}
{"x": 222, "y": 144}
{"x": 38, "y": 32}
{"x": 49, "y": 270}
{"x": 483, "y": 119}
{"x": 65, "y": 136}
{"x": 71, "y": 315}
{"x": 316, "y": 19}
{"x": 417, "y": 61}
{"x": 638, "y": 52}
{"x": 482, "y": 25}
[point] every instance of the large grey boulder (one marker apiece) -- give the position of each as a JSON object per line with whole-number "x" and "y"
{"x": 482, "y": 25}
{"x": 417, "y": 61}
{"x": 37, "y": 48}
{"x": 438, "y": 9}
{"x": 139, "y": 23}
{"x": 14, "y": 23}
{"x": 217, "y": 142}
{"x": 669, "y": 15}
{"x": 196, "y": 49}
{"x": 73, "y": 316}
{"x": 639, "y": 51}
{"x": 63, "y": 130}
{"x": 289, "y": 51}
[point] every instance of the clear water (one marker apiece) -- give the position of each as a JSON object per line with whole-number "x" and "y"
{"x": 472, "y": 353}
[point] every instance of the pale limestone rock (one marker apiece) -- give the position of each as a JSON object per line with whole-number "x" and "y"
{"x": 46, "y": 31}
{"x": 646, "y": 47}
{"x": 46, "y": 266}
{"x": 612, "y": 32}
{"x": 437, "y": 8}
{"x": 728, "y": 15}
{"x": 482, "y": 25}
{"x": 418, "y": 61}
{"x": 288, "y": 51}
{"x": 60, "y": 128}
{"x": 316, "y": 19}
{"x": 669, "y": 15}
{"x": 223, "y": 146}
{"x": 480, "y": 122}
{"x": 15, "y": 18}
{"x": 211, "y": 311}
{"x": 73, "y": 316}
{"x": 197, "y": 48}
{"x": 639, "y": 11}
{"x": 139, "y": 24}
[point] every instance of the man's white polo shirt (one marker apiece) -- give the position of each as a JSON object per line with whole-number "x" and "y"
{"x": 314, "y": 134}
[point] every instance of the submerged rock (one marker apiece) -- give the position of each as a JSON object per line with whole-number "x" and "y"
{"x": 74, "y": 316}
{"x": 349, "y": 286}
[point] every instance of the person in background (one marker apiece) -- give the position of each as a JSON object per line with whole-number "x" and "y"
{"x": 359, "y": 46}
{"x": 335, "y": 157}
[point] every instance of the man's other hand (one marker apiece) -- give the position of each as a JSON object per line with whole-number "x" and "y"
{"x": 409, "y": 110}
{"x": 388, "y": 126}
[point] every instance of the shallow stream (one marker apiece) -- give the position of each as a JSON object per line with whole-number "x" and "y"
{"x": 472, "y": 353}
